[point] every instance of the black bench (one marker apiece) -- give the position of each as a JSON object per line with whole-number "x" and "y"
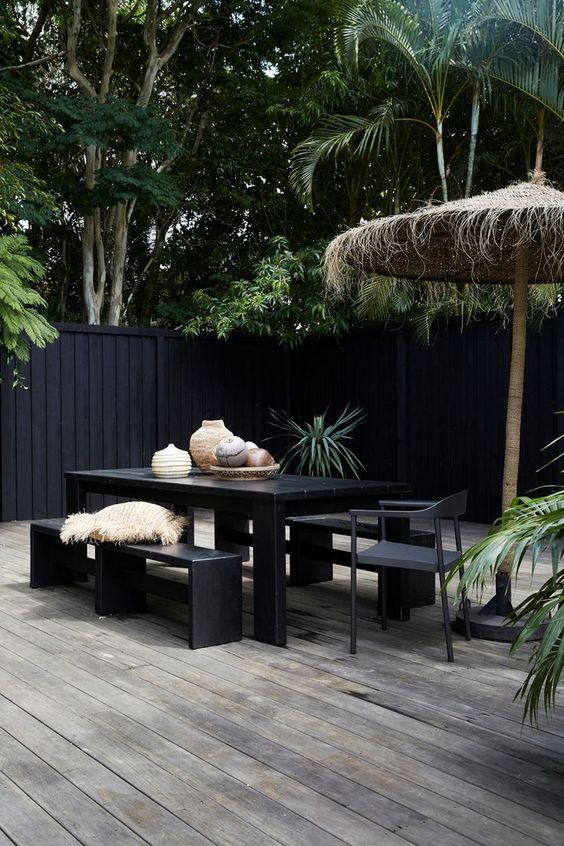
{"x": 312, "y": 557}
{"x": 121, "y": 580}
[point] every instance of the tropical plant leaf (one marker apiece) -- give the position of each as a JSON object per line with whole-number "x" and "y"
{"x": 528, "y": 528}
{"x": 21, "y": 322}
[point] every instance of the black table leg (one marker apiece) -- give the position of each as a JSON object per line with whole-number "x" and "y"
{"x": 397, "y": 582}
{"x": 188, "y": 533}
{"x": 75, "y": 496}
{"x": 269, "y": 573}
{"x": 405, "y": 588}
{"x": 305, "y": 569}
{"x": 227, "y": 527}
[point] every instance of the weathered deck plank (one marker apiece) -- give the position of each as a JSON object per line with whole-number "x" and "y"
{"x": 250, "y": 744}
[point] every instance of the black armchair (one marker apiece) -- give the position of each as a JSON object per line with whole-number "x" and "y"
{"x": 387, "y": 554}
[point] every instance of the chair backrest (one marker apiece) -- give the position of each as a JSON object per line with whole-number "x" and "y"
{"x": 448, "y": 508}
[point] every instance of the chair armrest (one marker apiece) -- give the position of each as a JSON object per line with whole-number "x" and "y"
{"x": 395, "y": 514}
{"x": 407, "y": 503}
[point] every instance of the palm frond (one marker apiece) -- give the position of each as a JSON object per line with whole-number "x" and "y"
{"x": 538, "y": 77}
{"x": 527, "y": 529}
{"x": 543, "y": 19}
{"x": 358, "y": 136}
{"x": 391, "y": 23}
{"x": 545, "y": 606}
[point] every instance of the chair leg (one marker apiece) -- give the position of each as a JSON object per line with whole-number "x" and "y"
{"x": 465, "y": 604}
{"x": 353, "y": 605}
{"x": 446, "y": 619}
{"x": 383, "y": 588}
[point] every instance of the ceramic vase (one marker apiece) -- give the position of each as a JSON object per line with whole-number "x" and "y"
{"x": 171, "y": 463}
{"x": 204, "y": 440}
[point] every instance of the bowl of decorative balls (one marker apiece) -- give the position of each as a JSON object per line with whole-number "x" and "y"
{"x": 238, "y": 459}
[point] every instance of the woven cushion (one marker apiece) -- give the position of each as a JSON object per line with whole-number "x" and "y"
{"x": 127, "y": 522}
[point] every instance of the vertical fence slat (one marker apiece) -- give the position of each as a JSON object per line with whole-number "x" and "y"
{"x": 38, "y": 388}
{"x": 68, "y": 423}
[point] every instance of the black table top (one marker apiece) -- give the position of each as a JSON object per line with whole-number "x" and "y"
{"x": 283, "y": 487}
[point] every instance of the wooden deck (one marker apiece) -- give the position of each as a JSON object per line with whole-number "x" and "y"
{"x": 113, "y": 732}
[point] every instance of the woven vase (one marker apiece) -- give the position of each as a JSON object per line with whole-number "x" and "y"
{"x": 203, "y": 441}
{"x": 171, "y": 463}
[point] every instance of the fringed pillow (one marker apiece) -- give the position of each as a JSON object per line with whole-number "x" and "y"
{"x": 127, "y": 522}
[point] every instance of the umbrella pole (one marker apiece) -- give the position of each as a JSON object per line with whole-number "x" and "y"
{"x": 490, "y": 621}
{"x": 514, "y": 412}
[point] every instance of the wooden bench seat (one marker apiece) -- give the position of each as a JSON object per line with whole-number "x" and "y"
{"x": 121, "y": 580}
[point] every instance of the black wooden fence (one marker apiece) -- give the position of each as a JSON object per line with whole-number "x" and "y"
{"x": 105, "y": 397}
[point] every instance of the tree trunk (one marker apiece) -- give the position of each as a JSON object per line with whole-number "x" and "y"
{"x": 65, "y": 276}
{"x": 441, "y": 160}
{"x": 474, "y": 124}
{"x": 93, "y": 308}
{"x": 121, "y": 228}
{"x": 92, "y": 284}
{"x": 540, "y": 141}
{"x": 516, "y": 382}
{"x": 355, "y": 198}
{"x": 152, "y": 272}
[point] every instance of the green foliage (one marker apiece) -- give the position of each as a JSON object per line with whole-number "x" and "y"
{"x": 20, "y": 320}
{"x": 283, "y": 299}
{"x": 424, "y": 39}
{"x": 116, "y": 184}
{"x": 319, "y": 448}
{"x": 442, "y": 52}
{"x": 530, "y": 58}
{"x": 528, "y": 528}
{"x": 114, "y": 127}
{"x": 23, "y": 195}
{"x": 116, "y": 124}
{"x": 273, "y": 80}
{"x": 424, "y": 304}
{"x": 545, "y": 605}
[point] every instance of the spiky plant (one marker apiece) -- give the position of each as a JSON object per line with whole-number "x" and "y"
{"x": 318, "y": 448}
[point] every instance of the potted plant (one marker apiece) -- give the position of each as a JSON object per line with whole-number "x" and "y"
{"x": 319, "y": 448}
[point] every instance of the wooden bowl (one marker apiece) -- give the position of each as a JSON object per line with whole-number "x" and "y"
{"x": 246, "y": 473}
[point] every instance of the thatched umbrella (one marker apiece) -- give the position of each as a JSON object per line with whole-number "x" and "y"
{"x": 515, "y": 235}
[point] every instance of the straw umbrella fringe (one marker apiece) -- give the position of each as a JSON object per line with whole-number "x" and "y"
{"x": 469, "y": 240}
{"x": 513, "y": 235}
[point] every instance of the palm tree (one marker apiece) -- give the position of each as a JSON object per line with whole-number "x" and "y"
{"x": 534, "y": 67}
{"x": 427, "y": 39}
{"x": 371, "y": 140}
{"x": 476, "y": 49}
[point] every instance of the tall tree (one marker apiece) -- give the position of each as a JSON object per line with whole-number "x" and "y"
{"x": 534, "y": 66}
{"x": 426, "y": 38}
{"x": 162, "y": 29}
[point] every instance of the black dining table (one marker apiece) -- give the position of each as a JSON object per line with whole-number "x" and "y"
{"x": 268, "y": 503}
